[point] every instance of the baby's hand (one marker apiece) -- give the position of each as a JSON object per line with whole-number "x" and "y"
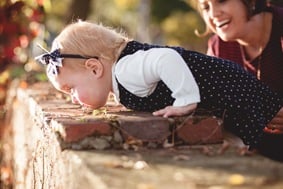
{"x": 175, "y": 111}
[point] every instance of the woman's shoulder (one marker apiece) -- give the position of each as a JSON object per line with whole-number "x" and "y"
{"x": 277, "y": 19}
{"x": 277, "y": 12}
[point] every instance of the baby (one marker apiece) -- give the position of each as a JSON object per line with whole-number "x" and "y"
{"x": 89, "y": 61}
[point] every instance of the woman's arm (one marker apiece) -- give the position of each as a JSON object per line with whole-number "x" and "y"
{"x": 173, "y": 71}
{"x": 277, "y": 121}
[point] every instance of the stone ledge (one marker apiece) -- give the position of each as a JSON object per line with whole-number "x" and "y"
{"x": 114, "y": 125}
{"x": 46, "y": 130}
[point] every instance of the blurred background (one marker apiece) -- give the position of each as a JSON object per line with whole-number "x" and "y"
{"x": 25, "y": 23}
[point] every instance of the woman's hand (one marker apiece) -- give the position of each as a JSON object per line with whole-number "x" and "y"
{"x": 175, "y": 111}
{"x": 277, "y": 121}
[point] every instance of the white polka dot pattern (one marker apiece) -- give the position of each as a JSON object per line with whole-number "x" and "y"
{"x": 225, "y": 88}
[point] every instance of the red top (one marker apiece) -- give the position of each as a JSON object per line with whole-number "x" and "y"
{"x": 269, "y": 63}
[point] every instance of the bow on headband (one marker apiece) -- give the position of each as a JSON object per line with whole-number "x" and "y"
{"x": 53, "y": 60}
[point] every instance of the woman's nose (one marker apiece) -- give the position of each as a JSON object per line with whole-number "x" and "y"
{"x": 214, "y": 11}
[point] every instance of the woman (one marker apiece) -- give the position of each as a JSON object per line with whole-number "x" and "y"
{"x": 248, "y": 32}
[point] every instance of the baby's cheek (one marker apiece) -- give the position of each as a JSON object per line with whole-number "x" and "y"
{"x": 86, "y": 99}
{"x": 95, "y": 100}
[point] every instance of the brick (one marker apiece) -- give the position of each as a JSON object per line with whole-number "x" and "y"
{"x": 75, "y": 131}
{"x": 144, "y": 126}
{"x": 200, "y": 130}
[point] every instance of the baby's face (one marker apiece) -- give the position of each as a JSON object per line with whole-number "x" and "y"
{"x": 80, "y": 84}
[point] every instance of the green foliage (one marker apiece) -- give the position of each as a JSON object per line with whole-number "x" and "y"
{"x": 19, "y": 25}
{"x": 179, "y": 30}
{"x": 41, "y": 76}
{"x": 170, "y": 21}
{"x": 17, "y": 72}
{"x": 161, "y": 9}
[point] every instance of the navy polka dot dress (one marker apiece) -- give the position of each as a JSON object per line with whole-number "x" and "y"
{"x": 245, "y": 104}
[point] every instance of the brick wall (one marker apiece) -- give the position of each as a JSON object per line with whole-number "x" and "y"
{"x": 50, "y": 136}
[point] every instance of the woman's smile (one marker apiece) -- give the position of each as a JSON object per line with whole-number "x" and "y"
{"x": 223, "y": 23}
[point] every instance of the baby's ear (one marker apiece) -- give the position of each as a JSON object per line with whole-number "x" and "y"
{"x": 95, "y": 66}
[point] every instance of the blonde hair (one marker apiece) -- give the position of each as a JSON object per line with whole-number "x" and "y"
{"x": 90, "y": 39}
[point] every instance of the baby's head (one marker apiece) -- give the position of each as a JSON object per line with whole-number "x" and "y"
{"x": 89, "y": 39}
{"x": 80, "y": 62}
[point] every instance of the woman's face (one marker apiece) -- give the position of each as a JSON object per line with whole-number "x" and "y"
{"x": 82, "y": 86}
{"x": 226, "y": 18}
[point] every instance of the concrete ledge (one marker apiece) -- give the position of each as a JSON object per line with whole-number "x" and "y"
{"x": 59, "y": 145}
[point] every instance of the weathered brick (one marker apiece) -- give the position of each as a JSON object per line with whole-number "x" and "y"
{"x": 144, "y": 126}
{"x": 200, "y": 130}
{"x": 74, "y": 124}
{"x": 75, "y": 131}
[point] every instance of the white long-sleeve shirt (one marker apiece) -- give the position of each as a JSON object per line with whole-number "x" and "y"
{"x": 140, "y": 72}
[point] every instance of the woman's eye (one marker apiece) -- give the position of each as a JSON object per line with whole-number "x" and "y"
{"x": 204, "y": 7}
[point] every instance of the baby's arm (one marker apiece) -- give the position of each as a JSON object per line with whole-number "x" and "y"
{"x": 174, "y": 72}
{"x": 176, "y": 110}
{"x": 147, "y": 68}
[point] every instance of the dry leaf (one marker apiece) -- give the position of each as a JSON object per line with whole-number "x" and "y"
{"x": 236, "y": 180}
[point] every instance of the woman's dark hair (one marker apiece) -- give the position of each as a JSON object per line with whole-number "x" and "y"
{"x": 259, "y": 6}
{"x": 255, "y": 6}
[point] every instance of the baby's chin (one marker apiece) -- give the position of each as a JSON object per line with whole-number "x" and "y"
{"x": 93, "y": 107}
{"x": 88, "y": 106}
